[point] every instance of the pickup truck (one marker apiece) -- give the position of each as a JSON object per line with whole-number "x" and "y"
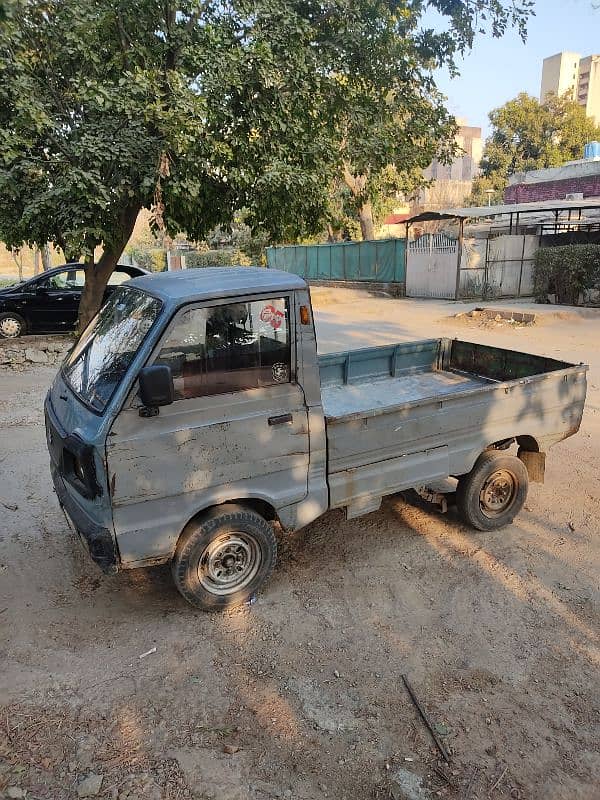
{"x": 194, "y": 413}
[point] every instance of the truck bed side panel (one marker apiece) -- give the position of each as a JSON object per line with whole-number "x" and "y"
{"x": 392, "y": 449}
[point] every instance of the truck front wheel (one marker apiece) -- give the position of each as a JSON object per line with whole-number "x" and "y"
{"x": 223, "y": 558}
{"x": 492, "y": 494}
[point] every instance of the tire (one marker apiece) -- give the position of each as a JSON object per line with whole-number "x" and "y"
{"x": 12, "y": 325}
{"x": 200, "y": 569}
{"x": 492, "y": 494}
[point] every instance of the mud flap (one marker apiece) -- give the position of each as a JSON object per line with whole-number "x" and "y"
{"x": 535, "y": 463}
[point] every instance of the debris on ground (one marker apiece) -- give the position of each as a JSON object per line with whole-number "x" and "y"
{"x": 496, "y": 318}
{"x": 406, "y": 785}
{"x": 33, "y": 351}
{"x": 433, "y": 728}
{"x": 90, "y": 785}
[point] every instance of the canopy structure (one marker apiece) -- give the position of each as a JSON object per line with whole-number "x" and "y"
{"x": 512, "y": 210}
{"x": 549, "y": 209}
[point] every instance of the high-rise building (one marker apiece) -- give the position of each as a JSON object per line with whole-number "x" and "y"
{"x": 578, "y": 78}
{"x": 451, "y": 183}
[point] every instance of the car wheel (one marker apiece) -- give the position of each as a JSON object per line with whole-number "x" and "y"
{"x": 492, "y": 494}
{"x": 222, "y": 559}
{"x": 11, "y": 325}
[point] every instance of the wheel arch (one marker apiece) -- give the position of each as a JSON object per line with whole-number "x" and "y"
{"x": 256, "y": 504}
{"x": 525, "y": 444}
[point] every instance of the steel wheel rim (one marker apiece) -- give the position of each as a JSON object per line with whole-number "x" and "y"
{"x": 498, "y": 493}
{"x": 229, "y": 563}
{"x": 10, "y": 327}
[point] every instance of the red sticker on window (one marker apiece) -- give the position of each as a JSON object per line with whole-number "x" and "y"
{"x": 272, "y": 316}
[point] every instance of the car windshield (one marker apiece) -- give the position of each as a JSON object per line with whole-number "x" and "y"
{"x": 104, "y": 353}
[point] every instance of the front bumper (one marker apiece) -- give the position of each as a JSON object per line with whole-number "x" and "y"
{"x": 98, "y": 540}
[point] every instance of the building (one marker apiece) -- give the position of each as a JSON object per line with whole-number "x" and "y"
{"x": 575, "y": 180}
{"x": 466, "y": 164}
{"x": 452, "y": 183}
{"x": 576, "y": 77}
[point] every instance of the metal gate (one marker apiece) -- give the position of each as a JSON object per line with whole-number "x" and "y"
{"x": 509, "y": 265}
{"x": 431, "y": 267}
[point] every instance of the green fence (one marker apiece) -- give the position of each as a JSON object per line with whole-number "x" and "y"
{"x": 381, "y": 261}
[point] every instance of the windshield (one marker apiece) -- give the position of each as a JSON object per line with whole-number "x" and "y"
{"x": 103, "y": 354}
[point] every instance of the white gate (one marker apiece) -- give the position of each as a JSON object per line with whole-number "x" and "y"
{"x": 431, "y": 265}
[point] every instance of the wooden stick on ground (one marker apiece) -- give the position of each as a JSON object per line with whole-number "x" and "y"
{"x": 440, "y": 745}
{"x": 469, "y": 789}
{"x": 499, "y": 781}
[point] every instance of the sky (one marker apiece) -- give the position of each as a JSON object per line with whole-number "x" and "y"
{"x": 496, "y": 70}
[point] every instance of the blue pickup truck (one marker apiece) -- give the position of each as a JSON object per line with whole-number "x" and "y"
{"x": 194, "y": 412}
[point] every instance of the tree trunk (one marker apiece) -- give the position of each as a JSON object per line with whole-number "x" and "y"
{"x": 36, "y": 260}
{"x": 358, "y": 186}
{"x": 365, "y": 216}
{"x": 97, "y": 275}
{"x": 46, "y": 258}
{"x": 18, "y": 259}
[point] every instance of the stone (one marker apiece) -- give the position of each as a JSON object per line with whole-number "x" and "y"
{"x": 332, "y": 713}
{"x": 140, "y": 787}
{"x": 406, "y": 785}
{"x": 15, "y": 792}
{"x": 36, "y": 356}
{"x": 213, "y": 775}
{"x": 89, "y": 786}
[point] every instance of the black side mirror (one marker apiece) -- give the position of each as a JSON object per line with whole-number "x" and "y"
{"x": 156, "y": 389}
{"x": 41, "y": 288}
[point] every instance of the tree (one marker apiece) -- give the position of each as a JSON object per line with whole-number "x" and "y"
{"x": 526, "y": 135}
{"x": 199, "y": 109}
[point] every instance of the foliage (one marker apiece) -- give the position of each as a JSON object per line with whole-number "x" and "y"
{"x": 526, "y": 135}
{"x": 224, "y": 257}
{"x": 199, "y": 109}
{"x": 569, "y": 272}
{"x": 153, "y": 259}
{"x": 479, "y": 193}
{"x": 239, "y": 235}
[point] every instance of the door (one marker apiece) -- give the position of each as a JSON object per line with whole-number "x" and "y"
{"x": 54, "y": 303}
{"x": 238, "y": 426}
{"x": 431, "y": 267}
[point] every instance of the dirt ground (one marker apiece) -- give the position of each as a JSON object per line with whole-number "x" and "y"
{"x": 300, "y": 695}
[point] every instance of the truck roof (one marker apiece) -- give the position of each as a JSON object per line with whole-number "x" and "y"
{"x": 214, "y": 282}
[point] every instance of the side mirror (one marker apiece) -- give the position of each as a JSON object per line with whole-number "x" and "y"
{"x": 156, "y": 389}
{"x": 41, "y": 289}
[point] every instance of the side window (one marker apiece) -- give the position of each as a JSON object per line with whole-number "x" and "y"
{"x": 229, "y": 348}
{"x": 118, "y": 277}
{"x": 75, "y": 279}
{"x": 70, "y": 279}
{"x": 58, "y": 281}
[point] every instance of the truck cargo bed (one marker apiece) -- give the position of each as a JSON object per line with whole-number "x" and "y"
{"x": 342, "y": 400}
{"x": 399, "y": 415}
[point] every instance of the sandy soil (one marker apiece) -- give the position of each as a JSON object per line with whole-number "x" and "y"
{"x": 300, "y": 695}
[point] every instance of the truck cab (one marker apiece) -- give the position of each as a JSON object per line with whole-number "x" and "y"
{"x": 134, "y": 464}
{"x": 194, "y": 412}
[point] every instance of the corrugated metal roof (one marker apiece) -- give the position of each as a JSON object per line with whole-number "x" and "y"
{"x": 515, "y": 208}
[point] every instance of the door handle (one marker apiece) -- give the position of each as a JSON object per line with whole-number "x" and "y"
{"x": 282, "y": 419}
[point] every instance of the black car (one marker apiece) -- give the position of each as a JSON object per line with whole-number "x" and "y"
{"x": 49, "y": 302}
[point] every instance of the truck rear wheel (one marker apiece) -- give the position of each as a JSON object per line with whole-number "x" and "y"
{"x": 492, "y": 494}
{"x": 222, "y": 559}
